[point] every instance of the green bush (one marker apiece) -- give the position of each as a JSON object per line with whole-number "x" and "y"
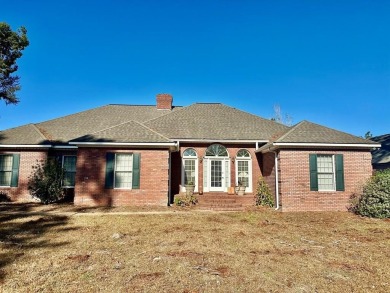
{"x": 264, "y": 196}
{"x": 375, "y": 200}
{"x": 45, "y": 182}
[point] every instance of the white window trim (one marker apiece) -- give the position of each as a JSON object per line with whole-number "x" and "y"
{"x": 183, "y": 159}
{"x": 333, "y": 174}
{"x": 123, "y": 188}
{"x": 226, "y": 160}
{"x": 8, "y": 171}
{"x": 225, "y": 165}
{"x": 63, "y": 159}
{"x": 250, "y": 174}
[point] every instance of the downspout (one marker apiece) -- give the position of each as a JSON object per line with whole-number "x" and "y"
{"x": 169, "y": 177}
{"x": 276, "y": 180}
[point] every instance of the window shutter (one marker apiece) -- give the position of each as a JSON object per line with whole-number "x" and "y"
{"x": 339, "y": 172}
{"x": 15, "y": 170}
{"x": 136, "y": 170}
{"x": 110, "y": 164}
{"x": 313, "y": 172}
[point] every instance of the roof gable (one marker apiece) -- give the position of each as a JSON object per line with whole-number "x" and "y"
{"x": 128, "y": 132}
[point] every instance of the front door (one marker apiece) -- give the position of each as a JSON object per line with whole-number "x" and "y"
{"x": 217, "y": 176}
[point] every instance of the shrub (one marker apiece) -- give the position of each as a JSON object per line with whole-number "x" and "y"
{"x": 45, "y": 182}
{"x": 264, "y": 196}
{"x": 186, "y": 200}
{"x": 4, "y": 197}
{"x": 375, "y": 200}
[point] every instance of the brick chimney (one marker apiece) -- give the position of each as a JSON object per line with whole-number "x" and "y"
{"x": 164, "y": 101}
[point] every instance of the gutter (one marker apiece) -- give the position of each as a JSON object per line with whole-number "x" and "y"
{"x": 305, "y": 144}
{"x": 125, "y": 144}
{"x": 280, "y": 145}
{"x": 25, "y": 146}
{"x": 232, "y": 141}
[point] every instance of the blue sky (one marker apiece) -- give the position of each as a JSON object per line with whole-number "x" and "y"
{"x": 323, "y": 61}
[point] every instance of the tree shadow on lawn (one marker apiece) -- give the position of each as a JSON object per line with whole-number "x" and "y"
{"x": 18, "y": 233}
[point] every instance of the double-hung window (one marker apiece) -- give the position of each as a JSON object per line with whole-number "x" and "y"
{"x": 123, "y": 170}
{"x": 326, "y": 172}
{"x": 9, "y": 170}
{"x": 69, "y": 165}
{"x": 5, "y": 170}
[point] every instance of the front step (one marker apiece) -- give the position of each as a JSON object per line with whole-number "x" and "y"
{"x": 219, "y": 202}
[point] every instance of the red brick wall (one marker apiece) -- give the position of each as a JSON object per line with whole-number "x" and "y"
{"x": 28, "y": 158}
{"x": 295, "y": 194}
{"x": 90, "y": 179}
{"x": 268, "y": 170}
{"x": 201, "y": 151}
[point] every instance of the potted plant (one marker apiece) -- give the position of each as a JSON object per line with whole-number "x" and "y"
{"x": 240, "y": 188}
{"x": 190, "y": 187}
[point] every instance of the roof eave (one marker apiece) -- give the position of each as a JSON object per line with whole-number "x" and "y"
{"x": 125, "y": 144}
{"x": 25, "y": 145}
{"x": 280, "y": 145}
{"x": 232, "y": 141}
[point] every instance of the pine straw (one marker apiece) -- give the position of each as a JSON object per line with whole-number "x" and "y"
{"x": 253, "y": 251}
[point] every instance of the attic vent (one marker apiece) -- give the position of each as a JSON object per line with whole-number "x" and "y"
{"x": 164, "y": 101}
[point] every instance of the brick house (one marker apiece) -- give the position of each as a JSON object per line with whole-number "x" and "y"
{"x": 144, "y": 155}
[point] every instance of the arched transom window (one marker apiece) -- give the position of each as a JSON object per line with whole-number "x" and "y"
{"x": 188, "y": 153}
{"x": 216, "y": 150}
{"x": 243, "y": 154}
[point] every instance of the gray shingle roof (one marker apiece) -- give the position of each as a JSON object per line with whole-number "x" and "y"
{"x": 25, "y": 135}
{"x": 308, "y": 132}
{"x": 88, "y": 122}
{"x": 129, "y": 132}
{"x": 382, "y": 154}
{"x": 147, "y": 124}
{"x": 215, "y": 122}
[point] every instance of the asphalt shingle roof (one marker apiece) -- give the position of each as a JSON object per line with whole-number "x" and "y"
{"x": 215, "y": 122}
{"x": 90, "y": 121}
{"x": 27, "y": 135}
{"x": 147, "y": 124}
{"x": 131, "y": 131}
{"x": 308, "y": 132}
{"x": 382, "y": 154}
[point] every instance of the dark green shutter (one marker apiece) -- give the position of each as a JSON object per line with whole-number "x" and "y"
{"x": 313, "y": 172}
{"x": 136, "y": 170}
{"x": 339, "y": 172}
{"x": 15, "y": 170}
{"x": 110, "y": 164}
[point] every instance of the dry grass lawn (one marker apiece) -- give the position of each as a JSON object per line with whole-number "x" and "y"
{"x": 190, "y": 251}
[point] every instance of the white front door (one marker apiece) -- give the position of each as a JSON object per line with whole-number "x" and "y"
{"x": 217, "y": 176}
